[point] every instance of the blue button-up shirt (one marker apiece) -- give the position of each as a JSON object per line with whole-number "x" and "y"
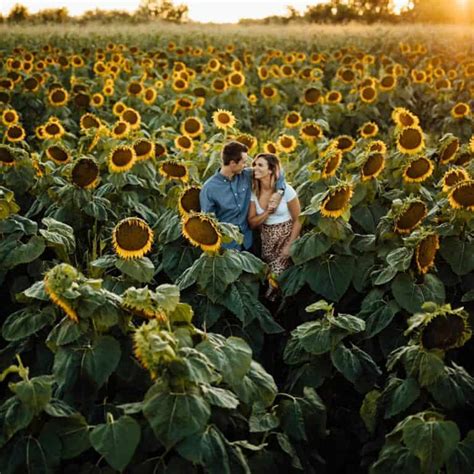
{"x": 229, "y": 200}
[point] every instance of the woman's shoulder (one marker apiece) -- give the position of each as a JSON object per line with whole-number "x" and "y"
{"x": 290, "y": 192}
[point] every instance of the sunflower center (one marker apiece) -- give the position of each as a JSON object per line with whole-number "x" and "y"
{"x": 85, "y": 172}
{"x": 410, "y": 138}
{"x": 427, "y": 251}
{"x": 373, "y": 164}
{"x": 190, "y": 200}
{"x": 57, "y": 153}
{"x": 142, "y": 148}
{"x": 122, "y": 157}
{"x": 449, "y": 151}
{"x": 338, "y": 200}
{"x": 6, "y": 156}
{"x": 175, "y": 170}
{"x": 464, "y": 194}
{"x": 202, "y": 231}
{"x": 454, "y": 177}
{"x": 312, "y": 95}
{"x": 14, "y": 131}
{"x": 223, "y": 118}
{"x": 412, "y": 216}
{"x": 58, "y": 96}
{"x": 131, "y": 236}
{"x": 418, "y": 168}
{"x": 52, "y": 129}
{"x": 191, "y": 125}
{"x": 443, "y": 332}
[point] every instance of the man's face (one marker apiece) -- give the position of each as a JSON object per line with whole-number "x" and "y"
{"x": 237, "y": 168}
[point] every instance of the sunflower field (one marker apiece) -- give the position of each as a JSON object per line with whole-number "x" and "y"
{"x": 132, "y": 341}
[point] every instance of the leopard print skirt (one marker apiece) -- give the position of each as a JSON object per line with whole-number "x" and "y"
{"x": 274, "y": 238}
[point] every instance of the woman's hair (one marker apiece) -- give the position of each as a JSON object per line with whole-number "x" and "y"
{"x": 274, "y": 168}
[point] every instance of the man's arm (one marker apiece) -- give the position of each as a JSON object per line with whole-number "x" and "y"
{"x": 206, "y": 201}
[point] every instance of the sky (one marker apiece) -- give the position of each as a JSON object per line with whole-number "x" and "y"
{"x": 223, "y": 11}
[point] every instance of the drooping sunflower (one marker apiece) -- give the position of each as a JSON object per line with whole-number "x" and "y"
{"x": 89, "y": 121}
{"x": 410, "y": 140}
{"x": 15, "y": 133}
{"x": 54, "y": 130}
{"x": 311, "y": 131}
{"x": 409, "y": 216}
{"x": 332, "y": 163}
{"x": 202, "y": 231}
{"x": 448, "y": 150}
{"x": 368, "y": 94}
{"x": 337, "y": 201}
{"x": 377, "y": 146}
{"x": 7, "y": 156}
{"x": 58, "y": 97}
{"x": 373, "y": 166}
{"x": 219, "y": 85}
{"x": 369, "y": 130}
{"x": 9, "y": 117}
{"x": 460, "y": 110}
{"x": 418, "y": 170}
{"x": 425, "y": 252}
{"x": 388, "y": 82}
{"x": 189, "y": 200}
{"x": 132, "y": 117}
{"x": 144, "y": 149}
{"x": 312, "y": 96}
{"x": 286, "y": 143}
{"x": 454, "y": 176}
{"x": 85, "y": 174}
{"x": 404, "y": 118}
{"x": 269, "y": 92}
{"x": 173, "y": 169}
{"x": 345, "y": 143}
{"x": 132, "y": 238}
{"x": 142, "y": 302}
{"x": 270, "y": 147}
{"x": 461, "y": 196}
{"x": 223, "y": 119}
{"x": 192, "y": 127}
{"x": 292, "y": 120}
{"x": 58, "y": 154}
{"x": 184, "y": 143}
{"x": 121, "y": 159}
{"x": 120, "y": 129}
{"x": 333, "y": 97}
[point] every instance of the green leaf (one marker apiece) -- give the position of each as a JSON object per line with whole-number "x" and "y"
{"x": 411, "y": 295}
{"x": 330, "y": 278}
{"x": 288, "y": 448}
{"x": 116, "y": 441}
{"x": 396, "y": 459}
{"x": 140, "y": 269}
{"x": 378, "y": 316}
{"x": 175, "y": 416}
{"x": 256, "y": 386}
{"x": 25, "y": 253}
{"x": 167, "y": 296}
{"x": 309, "y": 246}
{"x": 399, "y": 395}
{"x": 386, "y": 274}
{"x": 59, "y": 235}
{"x": 291, "y": 418}
{"x": 220, "y": 397}
{"x": 183, "y": 313}
{"x": 351, "y": 324}
{"x": 34, "y": 393}
{"x": 368, "y": 217}
{"x": 432, "y": 441}
{"x": 59, "y": 409}
{"x": 26, "y": 322}
{"x": 177, "y": 258}
{"x": 292, "y": 280}
{"x": 368, "y": 410}
{"x": 461, "y": 460}
{"x": 14, "y": 416}
{"x": 66, "y": 366}
{"x": 36, "y": 291}
{"x": 260, "y": 420}
{"x": 73, "y": 433}
{"x": 198, "y": 367}
{"x": 65, "y": 332}
{"x": 459, "y": 254}
{"x": 400, "y": 258}
{"x": 431, "y": 368}
{"x": 99, "y": 360}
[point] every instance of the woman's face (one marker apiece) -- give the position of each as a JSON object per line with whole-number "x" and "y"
{"x": 260, "y": 168}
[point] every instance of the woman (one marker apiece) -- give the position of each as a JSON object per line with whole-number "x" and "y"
{"x": 279, "y": 226}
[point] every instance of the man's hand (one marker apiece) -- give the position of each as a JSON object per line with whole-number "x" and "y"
{"x": 275, "y": 200}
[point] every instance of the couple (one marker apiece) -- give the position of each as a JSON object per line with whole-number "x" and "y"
{"x": 255, "y": 197}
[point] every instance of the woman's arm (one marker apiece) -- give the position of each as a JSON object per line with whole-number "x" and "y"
{"x": 255, "y": 219}
{"x": 294, "y": 208}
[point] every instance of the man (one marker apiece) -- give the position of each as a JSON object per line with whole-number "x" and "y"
{"x": 227, "y": 192}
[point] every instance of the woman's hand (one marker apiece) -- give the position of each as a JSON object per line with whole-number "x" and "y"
{"x": 285, "y": 251}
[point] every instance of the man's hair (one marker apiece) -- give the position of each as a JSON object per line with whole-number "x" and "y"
{"x": 232, "y": 151}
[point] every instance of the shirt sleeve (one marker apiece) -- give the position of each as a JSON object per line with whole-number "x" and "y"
{"x": 281, "y": 184}
{"x": 253, "y": 198}
{"x": 206, "y": 201}
{"x": 290, "y": 193}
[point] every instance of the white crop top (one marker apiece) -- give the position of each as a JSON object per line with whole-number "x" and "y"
{"x": 282, "y": 213}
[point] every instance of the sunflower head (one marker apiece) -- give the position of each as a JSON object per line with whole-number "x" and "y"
{"x": 410, "y": 140}
{"x": 144, "y": 149}
{"x": 369, "y": 130}
{"x": 448, "y": 149}
{"x": 345, "y": 143}
{"x": 418, "y": 170}
{"x": 202, "y": 231}
{"x": 425, "y": 252}
{"x": 461, "y": 196}
{"x": 189, "y": 200}
{"x": 332, "y": 162}
{"x": 223, "y": 119}
{"x": 192, "y": 127}
{"x": 312, "y": 96}
{"x": 404, "y": 118}
{"x": 311, "y": 131}
{"x": 248, "y": 140}
{"x": 292, "y": 120}
{"x": 368, "y": 94}
{"x": 58, "y": 154}
{"x": 9, "y": 117}
{"x": 121, "y": 159}
{"x": 58, "y": 97}
{"x": 377, "y": 146}
{"x": 15, "y": 133}
{"x": 440, "y": 328}
{"x": 460, "y": 110}
{"x": 7, "y": 156}
{"x": 337, "y": 201}
{"x": 174, "y": 169}
{"x": 132, "y": 238}
{"x": 132, "y": 117}
{"x": 373, "y": 166}
{"x": 184, "y": 143}
{"x": 454, "y": 176}
{"x": 89, "y": 122}
{"x": 286, "y": 143}
{"x": 410, "y": 215}
{"x": 85, "y": 173}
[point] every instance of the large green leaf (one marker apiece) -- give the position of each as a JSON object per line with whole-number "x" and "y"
{"x": 459, "y": 254}
{"x": 309, "y": 246}
{"x": 99, "y": 360}
{"x": 461, "y": 460}
{"x": 73, "y": 433}
{"x": 14, "y": 416}
{"x": 141, "y": 269}
{"x": 411, "y": 295}
{"x": 432, "y": 441}
{"x": 330, "y": 277}
{"x": 290, "y": 414}
{"x": 24, "y": 253}
{"x": 219, "y": 397}
{"x": 256, "y": 386}
{"x": 292, "y": 280}
{"x": 35, "y": 393}
{"x": 399, "y": 395}
{"x": 396, "y": 459}
{"x": 116, "y": 441}
{"x": 174, "y": 416}
{"x": 59, "y": 235}
{"x": 378, "y": 315}
{"x": 25, "y": 322}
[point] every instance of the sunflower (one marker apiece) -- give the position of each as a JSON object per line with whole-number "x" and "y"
{"x": 404, "y": 118}
{"x": 410, "y": 216}
{"x": 58, "y": 97}
{"x": 312, "y": 96}
{"x": 460, "y": 110}
{"x": 270, "y": 147}
{"x": 85, "y": 173}
{"x": 58, "y": 154}
{"x": 373, "y": 166}
{"x": 214, "y": 65}
{"x": 425, "y": 252}
{"x": 236, "y": 79}
{"x": 9, "y": 117}
{"x": 192, "y": 127}
{"x": 418, "y": 170}
{"x": 121, "y": 159}
{"x": 286, "y": 143}
{"x": 346, "y": 75}
{"x": 57, "y": 281}
{"x": 337, "y": 201}
{"x": 132, "y": 238}
{"x": 160, "y": 150}
{"x": 89, "y": 121}
{"x": 418, "y": 77}
{"x": 189, "y": 200}
{"x": 333, "y": 97}
{"x": 331, "y": 165}
{"x": 134, "y": 89}
{"x": 202, "y": 231}
{"x": 453, "y": 177}
{"x": 410, "y": 140}
{"x": 144, "y": 149}
{"x": 172, "y": 169}
{"x": 269, "y": 92}
{"x": 184, "y": 143}
{"x": 132, "y": 117}
{"x": 377, "y": 146}
{"x": 223, "y": 119}
{"x": 149, "y": 96}
{"x": 369, "y": 130}
{"x": 7, "y": 156}
{"x": 120, "y": 129}
{"x": 53, "y": 129}
{"x": 461, "y": 195}
{"x": 388, "y": 82}
{"x": 292, "y": 120}
{"x": 310, "y": 131}
{"x": 345, "y": 143}
{"x": 142, "y": 302}
{"x": 219, "y": 85}
{"x": 248, "y": 140}
{"x": 15, "y": 133}
{"x": 448, "y": 150}
{"x": 368, "y": 94}
{"x": 119, "y": 108}
{"x": 179, "y": 85}
{"x": 97, "y": 100}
